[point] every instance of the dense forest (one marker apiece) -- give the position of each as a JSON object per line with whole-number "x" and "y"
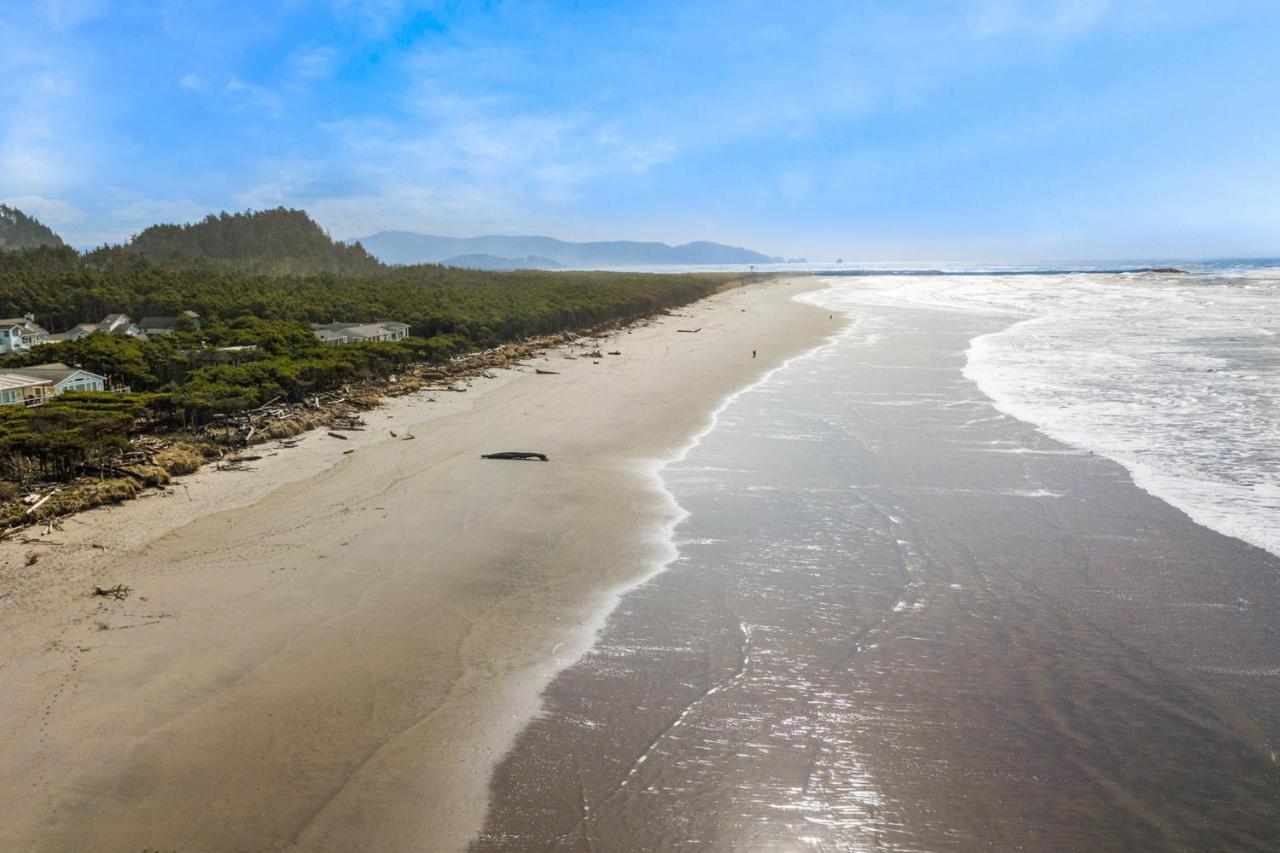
{"x": 19, "y": 231}
{"x": 278, "y": 242}
{"x": 184, "y": 379}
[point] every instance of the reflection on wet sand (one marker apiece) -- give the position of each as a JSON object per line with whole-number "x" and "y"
{"x": 901, "y": 620}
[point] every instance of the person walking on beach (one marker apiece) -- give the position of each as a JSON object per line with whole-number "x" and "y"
{"x": 753, "y": 353}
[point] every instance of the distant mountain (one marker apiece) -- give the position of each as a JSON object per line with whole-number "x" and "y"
{"x": 19, "y": 231}
{"x": 403, "y": 247}
{"x": 267, "y": 242}
{"x": 493, "y": 262}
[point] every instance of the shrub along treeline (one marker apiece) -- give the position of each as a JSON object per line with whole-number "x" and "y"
{"x": 184, "y": 379}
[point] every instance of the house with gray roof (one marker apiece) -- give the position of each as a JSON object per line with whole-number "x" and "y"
{"x": 354, "y": 333}
{"x": 62, "y": 378}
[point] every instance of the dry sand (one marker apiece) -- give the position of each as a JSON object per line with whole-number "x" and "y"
{"x": 331, "y": 652}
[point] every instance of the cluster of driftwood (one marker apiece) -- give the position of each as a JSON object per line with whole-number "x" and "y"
{"x": 33, "y": 501}
{"x": 119, "y": 592}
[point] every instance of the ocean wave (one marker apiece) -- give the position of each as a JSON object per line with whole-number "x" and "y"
{"x": 1177, "y": 378}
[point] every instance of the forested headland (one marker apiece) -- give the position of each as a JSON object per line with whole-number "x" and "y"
{"x": 182, "y": 380}
{"x": 20, "y": 231}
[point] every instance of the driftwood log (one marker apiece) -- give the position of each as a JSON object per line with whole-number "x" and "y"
{"x": 515, "y": 454}
{"x": 119, "y": 591}
{"x": 690, "y": 331}
{"x": 546, "y": 372}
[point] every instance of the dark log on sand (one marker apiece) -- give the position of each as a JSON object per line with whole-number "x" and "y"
{"x": 546, "y": 372}
{"x": 337, "y": 435}
{"x": 513, "y": 454}
{"x": 615, "y": 352}
{"x": 119, "y": 592}
{"x": 690, "y": 331}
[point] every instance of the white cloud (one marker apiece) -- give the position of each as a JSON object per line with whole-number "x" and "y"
{"x": 63, "y": 14}
{"x": 51, "y": 211}
{"x": 317, "y": 63}
{"x": 251, "y": 96}
{"x": 1043, "y": 18}
{"x": 132, "y": 209}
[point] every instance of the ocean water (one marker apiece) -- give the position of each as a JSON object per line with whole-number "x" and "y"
{"x": 1176, "y": 377}
{"x": 899, "y": 617}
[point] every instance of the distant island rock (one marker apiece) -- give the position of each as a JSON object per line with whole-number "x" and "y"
{"x": 403, "y": 247}
{"x": 494, "y": 262}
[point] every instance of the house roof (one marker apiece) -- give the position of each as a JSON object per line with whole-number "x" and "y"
{"x": 53, "y": 372}
{"x": 28, "y": 327}
{"x": 329, "y": 334}
{"x": 368, "y": 330}
{"x": 12, "y": 379}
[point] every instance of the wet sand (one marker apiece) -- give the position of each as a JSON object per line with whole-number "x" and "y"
{"x": 901, "y": 620}
{"x": 335, "y": 656}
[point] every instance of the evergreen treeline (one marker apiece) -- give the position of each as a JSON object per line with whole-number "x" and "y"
{"x": 481, "y": 308}
{"x": 276, "y": 242}
{"x": 19, "y": 231}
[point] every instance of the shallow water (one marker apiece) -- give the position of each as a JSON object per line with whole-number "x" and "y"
{"x": 900, "y": 619}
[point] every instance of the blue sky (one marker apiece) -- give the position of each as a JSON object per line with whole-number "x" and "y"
{"x": 986, "y": 130}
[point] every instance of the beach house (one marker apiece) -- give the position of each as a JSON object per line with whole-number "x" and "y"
{"x": 112, "y": 324}
{"x": 21, "y": 333}
{"x": 75, "y": 333}
{"x": 17, "y": 390}
{"x": 61, "y": 377}
{"x": 118, "y": 324}
{"x": 354, "y": 333}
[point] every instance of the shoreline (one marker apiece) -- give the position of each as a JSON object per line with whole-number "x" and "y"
{"x": 539, "y": 569}
{"x": 897, "y": 620}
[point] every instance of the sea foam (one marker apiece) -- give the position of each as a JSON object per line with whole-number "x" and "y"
{"x": 1176, "y": 377}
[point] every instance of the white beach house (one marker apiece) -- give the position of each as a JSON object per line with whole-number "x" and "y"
{"x": 21, "y": 333}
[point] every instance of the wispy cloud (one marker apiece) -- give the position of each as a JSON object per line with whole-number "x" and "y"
{"x": 1036, "y": 18}
{"x": 315, "y": 63}
{"x": 53, "y": 212}
{"x": 250, "y": 96}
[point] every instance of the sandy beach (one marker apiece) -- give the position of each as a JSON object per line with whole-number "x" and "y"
{"x": 332, "y": 651}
